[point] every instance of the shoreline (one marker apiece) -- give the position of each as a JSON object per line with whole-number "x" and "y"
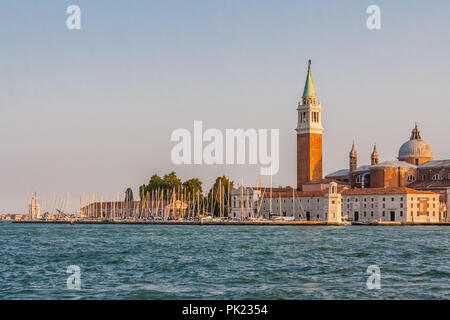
{"x": 241, "y": 223}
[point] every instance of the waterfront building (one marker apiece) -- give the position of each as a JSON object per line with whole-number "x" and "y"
{"x": 336, "y": 204}
{"x": 245, "y": 202}
{"x": 136, "y": 209}
{"x": 413, "y": 188}
{"x": 34, "y": 209}
{"x": 415, "y": 169}
{"x": 399, "y": 204}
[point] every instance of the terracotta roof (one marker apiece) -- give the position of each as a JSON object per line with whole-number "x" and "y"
{"x": 323, "y": 181}
{"x": 363, "y": 168}
{"x": 430, "y": 184}
{"x": 288, "y": 194}
{"x": 387, "y": 191}
{"x": 394, "y": 164}
{"x": 436, "y": 164}
{"x": 339, "y": 173}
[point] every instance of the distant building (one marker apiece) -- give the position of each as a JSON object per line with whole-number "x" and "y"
{"x": 391, "y": 204}
{"x": 136, "y": 209}
{"x": 34, "y": 209}
{"x": 415, "y": 169}
{"x": 414, "y": 188}
{"x": 245, "y": 202}
{"x": 337, "y": 203}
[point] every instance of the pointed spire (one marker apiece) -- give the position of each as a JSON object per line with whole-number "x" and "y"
{"x": 374, "y": 149}
{"x": 353, "y": 158}
{"x": 353, "y": 151}
{"x": 415, "y": 134}
{"x": 374, "y": 158}
{"x": 309, "y": 90}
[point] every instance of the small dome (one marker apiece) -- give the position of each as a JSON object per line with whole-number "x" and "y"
{"x": 415, "y": 149}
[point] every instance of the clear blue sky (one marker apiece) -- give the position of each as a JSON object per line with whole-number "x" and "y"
{"x": 93, "y": 110}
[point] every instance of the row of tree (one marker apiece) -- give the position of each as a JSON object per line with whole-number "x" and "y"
{"x": 217, "y": 201}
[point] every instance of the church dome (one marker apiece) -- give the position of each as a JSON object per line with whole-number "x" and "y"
{"x": 415, "y": 147}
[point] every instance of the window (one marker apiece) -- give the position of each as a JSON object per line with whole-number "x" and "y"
{"x": 384, "y": 199}
{"x": 371, "y": 213}
{"x": 436, "y": 177}
{"x": 401, "y": 213}
{"x": 384, "y": 213}
{"x": 411, "y": 177}
{"x": 392, "y": 199}
{"x": 401, "y": 205}
{"x": 358, "y": 179}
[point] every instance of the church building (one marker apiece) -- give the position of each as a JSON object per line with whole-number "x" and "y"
{"x": 412, "y": 188}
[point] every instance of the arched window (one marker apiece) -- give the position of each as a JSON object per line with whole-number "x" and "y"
{"x": 436, "y": 177}
{"x": 411, "y": 177}
{"x": 358, "y": 179}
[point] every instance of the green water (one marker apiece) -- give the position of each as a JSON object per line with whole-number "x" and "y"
{"x": 223, "y": 262}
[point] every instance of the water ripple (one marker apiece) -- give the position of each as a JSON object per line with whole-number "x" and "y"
{"x": 223, "y": 262}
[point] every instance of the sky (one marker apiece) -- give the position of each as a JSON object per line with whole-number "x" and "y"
{"x": 92, "y": 110}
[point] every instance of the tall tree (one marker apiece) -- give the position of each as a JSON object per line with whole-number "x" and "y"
{"x": 219, "y": 196}
{"x": 193, "y": 186}
{"x": 142, "y": 192}
{"x": 155, "y": 183}
{"x": 129, "y": 195}
{"x": 171, "y": 181}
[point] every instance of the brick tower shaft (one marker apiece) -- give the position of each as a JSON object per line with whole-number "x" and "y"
{"x": 309, "y": 135}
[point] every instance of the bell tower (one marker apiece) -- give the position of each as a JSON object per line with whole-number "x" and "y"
{"x": 374, "y": 158}
{"x": 309, "y": 135}
{"x": 353, "y": 159}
